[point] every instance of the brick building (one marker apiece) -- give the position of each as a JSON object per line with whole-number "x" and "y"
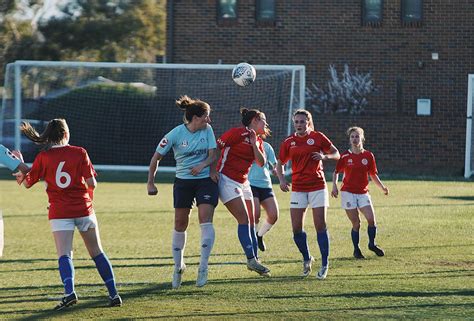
{"x": 413, "y": 49}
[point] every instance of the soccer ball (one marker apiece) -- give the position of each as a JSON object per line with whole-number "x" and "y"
{"x": 244, "y": 74}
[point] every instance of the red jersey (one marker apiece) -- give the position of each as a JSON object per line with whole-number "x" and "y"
{"x": 356, "y": 168}
{"x": 307, "y": 173}
{"x": 237, "y": 153}
{"x": 64, "y": 170}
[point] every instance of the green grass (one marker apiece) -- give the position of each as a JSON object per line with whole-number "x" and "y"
{"x": 425, "y": 227}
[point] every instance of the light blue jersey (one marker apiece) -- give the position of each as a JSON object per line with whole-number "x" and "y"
{"x": 7, "y": 158}
{"x": 260, "y": 176}
{"x": 190, "y": 149}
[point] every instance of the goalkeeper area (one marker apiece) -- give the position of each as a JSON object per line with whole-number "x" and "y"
{"x": 120, "y": 111}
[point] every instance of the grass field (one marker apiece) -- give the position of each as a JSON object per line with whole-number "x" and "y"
{"x": 425, "y": 227}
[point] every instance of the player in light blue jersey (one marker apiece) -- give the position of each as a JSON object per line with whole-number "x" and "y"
{"x": 194, "y": 148}
{"x": 261, "y": 184}
{"x": 11, "y": 161}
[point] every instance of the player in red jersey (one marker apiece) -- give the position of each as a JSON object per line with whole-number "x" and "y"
{"x": 306, "y": 149}
{"x": 357, "y": 164}
{"x": 240, "y": 147}
{"x": 70, "y": 180}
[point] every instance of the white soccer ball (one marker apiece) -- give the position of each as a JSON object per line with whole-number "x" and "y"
{"x": 244, "y": 74}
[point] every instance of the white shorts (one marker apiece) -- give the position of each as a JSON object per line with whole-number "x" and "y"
{"x": 319, "y": 198}
{"x": 350, "y": 201}
{"x": 230, "y": 189}
{"x": 68, "y": 224}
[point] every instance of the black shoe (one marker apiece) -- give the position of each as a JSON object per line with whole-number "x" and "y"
{"x": 377, "y": 250}
{"x": 116, "y": 301}
{"x": 67, "y": 301}
{"x": 261, "y": 244}
{"x": 358, "y": 254}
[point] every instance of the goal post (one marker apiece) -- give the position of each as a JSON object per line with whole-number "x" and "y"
{"x": 120, "y": 111}
{"x": 469, "y": 161}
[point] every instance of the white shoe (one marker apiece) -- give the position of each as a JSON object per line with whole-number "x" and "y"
{"x": 254, "y": 265}
{"x": 177, "y": 274}
{"x": 323, "y": 272}
{"x": 202, "y": 277}
{"x": 307, "y": 266}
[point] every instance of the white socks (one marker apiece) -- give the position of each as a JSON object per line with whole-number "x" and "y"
{"x": 179, "y": 243}
{"x": 264, "y": 228}
{"x": 208, "y": 236}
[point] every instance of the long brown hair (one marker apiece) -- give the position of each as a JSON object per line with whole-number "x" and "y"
{"x": 249, "y": 114}
{"x": 192, "y": 107}
{"x": 54, "y": 133}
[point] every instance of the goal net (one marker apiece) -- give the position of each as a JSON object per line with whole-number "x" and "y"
{"x": 120, "y": 111}
{"x": 469, "y": 160}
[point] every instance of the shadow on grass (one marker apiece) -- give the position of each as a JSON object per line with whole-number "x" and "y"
{"x": 400, "y": 294}
{"x": 289, "y": 312}
{"x": 459, "y": 198}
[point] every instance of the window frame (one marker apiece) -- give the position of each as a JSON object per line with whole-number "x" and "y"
{"x": 226, "y": 20}
{"x": 258, "y": 5}
{"x": 371, "y": 22}
{"x": 410, "y": 21}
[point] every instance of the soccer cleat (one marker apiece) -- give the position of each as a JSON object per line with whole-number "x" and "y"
{"x": 323, "y": 272}
{"x": 202, "y": 277}
{"x": 377, "y": 250}
{"x": 261, "y": 244}
{"x": 116, "y": 301}
{"x": 307, "y": 266}
{"x": 254, "y": 265}
{"x": 358, "y": 254}
{"x": 177, "y": 274}
{"x": 67, "y": 301}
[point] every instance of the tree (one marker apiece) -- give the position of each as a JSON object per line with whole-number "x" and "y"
{"x": 83, "y": 30}
{"x": 103, "y": 30}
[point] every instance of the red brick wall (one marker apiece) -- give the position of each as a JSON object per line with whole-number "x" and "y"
{"x": 317, "y": 33}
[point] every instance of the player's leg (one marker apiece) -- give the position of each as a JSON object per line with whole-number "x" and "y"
{"x": 369, "y": 214}
{"x": 300, "y": 238}
{"x": 63, "y": 233}
{"x": 353, "y": 215}
{"x": 253, "y": 233}
{"x": 89, "y": 229}
{"x": 184, "y": 192}
{"x": 181, "y": 221}
{"x": 232, "y": 196}
{"x": 270, "y": 205}
{"x": 319, "y": 202}
{"x": 206, "y": 198}
{"x": 349, "y": 204}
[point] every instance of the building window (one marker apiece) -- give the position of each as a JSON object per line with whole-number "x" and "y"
{"x": 412, "y": 11}
{"x": 372, "y": 12}
{"x": 265, "y": 10}
{"x": 226, "y": 9}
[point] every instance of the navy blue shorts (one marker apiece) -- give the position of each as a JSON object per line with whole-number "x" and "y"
{"x": 262, "y": 193}
{"x": 188, "y": 191}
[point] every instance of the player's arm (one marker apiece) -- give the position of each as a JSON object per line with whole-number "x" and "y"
{"x": 91, "y": 186}
{"x": 211, "y": 158}
{"x": 335, "y": 178}
{"x": 259, "y": 154}
{"x": 333, "y": 153}
{"x": 280, "y": 170}
{"x": 155, "y": 160}
{"x": 375, "y": 178}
